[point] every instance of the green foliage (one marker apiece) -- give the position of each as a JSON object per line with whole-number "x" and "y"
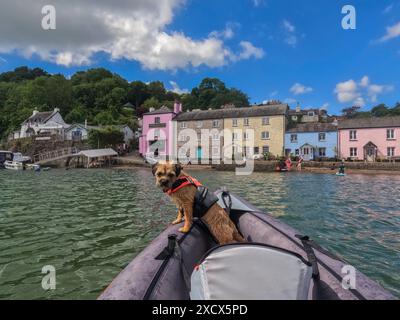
{"x": 380, "y": 110}
{"x": 98, "y": 95}
{"x": 107, "y": 137}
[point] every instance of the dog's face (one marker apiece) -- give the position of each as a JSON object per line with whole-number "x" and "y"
{"x": 166, "y": 174}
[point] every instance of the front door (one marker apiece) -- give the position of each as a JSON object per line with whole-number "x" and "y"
{"x": 199, "y": 153}
{"x": 370, "y": 152}
{"x": 307, "y": 153}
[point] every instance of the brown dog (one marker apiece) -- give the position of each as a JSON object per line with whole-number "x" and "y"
{"x": 218, "y": 221}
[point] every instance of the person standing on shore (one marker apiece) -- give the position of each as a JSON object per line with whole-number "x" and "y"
{"x": 341, "y": 167}
{"x": 299, "y": 162}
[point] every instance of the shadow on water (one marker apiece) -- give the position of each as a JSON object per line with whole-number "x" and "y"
{"x": 89, "y": 224}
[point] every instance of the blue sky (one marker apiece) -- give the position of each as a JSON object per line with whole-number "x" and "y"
{"x": 288, "y": 50}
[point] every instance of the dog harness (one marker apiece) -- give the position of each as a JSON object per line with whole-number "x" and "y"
{"x": 203, "y": 199}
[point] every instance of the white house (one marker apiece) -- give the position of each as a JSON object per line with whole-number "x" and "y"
{"x": 78, "y": 132}
{"x": 50, "y": 122}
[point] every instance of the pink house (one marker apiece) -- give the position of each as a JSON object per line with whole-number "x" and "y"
{"x": 158, "y": 131}
{"x": 369, "y": 139}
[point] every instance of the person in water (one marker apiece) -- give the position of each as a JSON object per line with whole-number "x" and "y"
{"x": 288, "y": 163}
{"x": 341, "y": 167}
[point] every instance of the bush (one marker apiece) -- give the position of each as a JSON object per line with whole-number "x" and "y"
{"x": 107, "y": 137}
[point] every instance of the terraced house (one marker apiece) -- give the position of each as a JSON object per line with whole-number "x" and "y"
{"x": 266, "y": 122}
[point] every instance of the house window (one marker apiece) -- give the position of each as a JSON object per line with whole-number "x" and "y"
{"x": 265, "y": 135}
{"x": 265, "y": 121}
{"x": 353, "y": 152}
{"x": 293, "y": 138}
{"x": 297, "y": 152}
{"x": 234, "y": 122}
{"x": 311, "y": 114}
{"x": 306, "y": 151}
{"x": 215, "y": 136}
{"x": 215, "y": 123}
{"x": 353, "y": 134}
{"x": 256, "y": 150}
{"x": 322, "y": 136}
{"x": 234, "y": 136}
{"x": 390, "y": 151}
{"x": 390, "y": 134}
{"x": 247, "y": 151}
{"x": 199, "y": 124}
{"x": 183, "y": 125}
{"x": 157, "y": 120}
{"x": 246, "y": 122}
{"x": 265, "y": 149}
{"x": 246, "y": 136}
{"x": 322, "y": 152}
{"x": 156, "y": 133}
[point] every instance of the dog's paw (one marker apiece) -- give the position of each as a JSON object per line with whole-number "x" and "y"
{"x": 184, "y": 230}
{"x": 176, "y": 221}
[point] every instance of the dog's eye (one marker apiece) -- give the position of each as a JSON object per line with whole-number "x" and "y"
{"x": 158, "y": 174}
{"x": 171, "y": 174}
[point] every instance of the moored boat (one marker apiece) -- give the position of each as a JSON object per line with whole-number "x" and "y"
{"x": 162, "y": 270}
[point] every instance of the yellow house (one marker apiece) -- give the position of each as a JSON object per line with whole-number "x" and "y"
{"x": 267, "y": 123}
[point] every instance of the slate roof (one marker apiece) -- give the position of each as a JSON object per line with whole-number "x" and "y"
{"x": 247, "y": 112}
{"x": 39, "y": 117}
{"x": 312, "y": 127}
{"x": 163, "y": 109}
{"x": 374, "y": 122}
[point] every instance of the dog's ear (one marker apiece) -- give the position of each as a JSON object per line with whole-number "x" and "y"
{"x": 154, "y": 168}
{"x": 178, "y": 169}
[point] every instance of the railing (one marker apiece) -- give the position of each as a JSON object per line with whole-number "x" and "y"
{"x": 55, "y": 154}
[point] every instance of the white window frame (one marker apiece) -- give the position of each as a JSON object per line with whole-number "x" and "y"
{"x": 319, "y": 136}
{"x": 157, "y": 120}
{"x": 291, "y": 138}
{"x": 183, "y": 125}
{"x": 265, "y": 135}
{"x": 264, "y": 148}
{"x": 234, "y": 122}
{"x": 199, "y": 124}
{"x": 353, "y": 152}
{"x": 319, "y": 152}
{"x": 353, "y": 135}
{"x": 246, "y": 136}
{"x": 246, "y": 122}
{"x": 265, "y": 121}
{"x": 390, "y": 134}
{"x": 216, "y": 123}
{"x": 391, "y": 151}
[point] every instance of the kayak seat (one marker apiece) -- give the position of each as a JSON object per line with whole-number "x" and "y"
{"x": 251, "y": 271}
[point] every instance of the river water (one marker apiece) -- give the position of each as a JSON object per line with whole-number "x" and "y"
{"x": 89, "y": 224}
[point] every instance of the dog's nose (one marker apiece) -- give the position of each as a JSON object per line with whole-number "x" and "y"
{"x": 163, "y": 182}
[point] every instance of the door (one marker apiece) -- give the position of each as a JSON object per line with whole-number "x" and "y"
{"x": 370, "y": 154}
{"x": 306, "y": 153}
{"x": 199, "y": 153}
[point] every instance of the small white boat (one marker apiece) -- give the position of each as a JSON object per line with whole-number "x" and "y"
{"x": 13, "y": 165}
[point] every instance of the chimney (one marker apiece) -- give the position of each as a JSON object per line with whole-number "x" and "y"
{"x": 56, "y": 110}
{"x": 298, "y": 108}
{"x": 35, "y": 112}
{"x": 177, "y": 107}
{"x": 151, "y": 109}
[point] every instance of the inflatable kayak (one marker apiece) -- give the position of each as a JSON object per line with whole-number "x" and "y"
{"x": 276, "y": 263}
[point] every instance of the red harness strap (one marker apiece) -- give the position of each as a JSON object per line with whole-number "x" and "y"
{"x": 183, "y": 182}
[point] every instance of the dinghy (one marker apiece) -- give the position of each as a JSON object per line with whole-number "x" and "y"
{"x": 277, "y": 263}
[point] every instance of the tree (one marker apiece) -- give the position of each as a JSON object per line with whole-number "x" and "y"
{"x": 350, "y": 112}
{"x": 107, "y": 137}
{"x": 380, "y": 110}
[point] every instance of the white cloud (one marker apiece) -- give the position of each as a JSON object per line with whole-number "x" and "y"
{"x": 273, "y": 93}
{"x": 3, "y": 60}
{"x": 391, "y": 33}
{"x": 227, "y": 33}
{"x": 388, "y": 8}
{"x": 258, "y": 3}
{"x": 290, "y": 100}
{"x": 291, "y": 37}
{"x": 248, "y": 50}
{"x": 177, "y": 89}
{"x": 298, "y": 88}
{"x": 123, "y": 29}
{"x": 325, "y": 106}
{"x": 358, "y": 93}
{"x": 288, "y": 26}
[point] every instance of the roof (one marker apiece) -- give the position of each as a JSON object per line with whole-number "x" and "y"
{"x": 374, "y": 122}
{"x": 129, "y": 105}
{"x": 94, "y": 153}
{"x": 313, "y": 127}
{"x": 163, "y": 109}
{"x": 245, "y": 112}
{"x": 87, "y": 127}
{"x": 40, "y": 116}
{"x": 293, "y": 112}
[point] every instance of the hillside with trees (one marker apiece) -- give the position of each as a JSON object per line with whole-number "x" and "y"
{"x": 98, "y": 96}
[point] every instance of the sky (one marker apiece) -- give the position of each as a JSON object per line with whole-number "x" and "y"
{"x": 291, "y": 50}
